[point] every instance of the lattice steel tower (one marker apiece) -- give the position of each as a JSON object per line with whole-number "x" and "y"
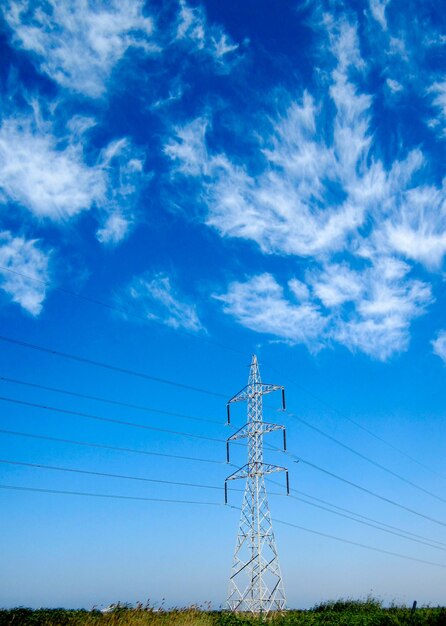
{"x": 256, "y": 583}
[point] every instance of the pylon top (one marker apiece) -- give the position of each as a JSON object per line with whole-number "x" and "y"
{"x": 254, "y": 372}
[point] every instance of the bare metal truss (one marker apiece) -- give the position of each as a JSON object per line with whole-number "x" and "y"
{"x": 255, "y": 584}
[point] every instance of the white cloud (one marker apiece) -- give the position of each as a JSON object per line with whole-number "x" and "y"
{"x": 261, "y": 305}
{"x": 315, "y": 186}
{"x": 51, "y": 180}
{"x": 414, "y": 221}
{"x": 336, "y": 285}
{"x": 344, "y": 43}
{"x": 398, "y": 48}
{"x": 438, "y": 89}
{"x": 369, "y": 310}
{"x": 154, "y": 298}
{"x": 78, "y": 43}
{"x": 114, "y": 229}
{"x": 49, "y": 175}
{"x": 394, "y": 85}
{"x": 312, "y": 192}
{"x": 378, "y": 11}
{"x": 285, "y": 208}
{"x": 439, "y": 345}
{"x": 388, "y": 301}
{"x": 124, "y": 170}
{"x": 24, "y": 259}
{"x": 188, "y": 148}
{"x": 299, "y": 289}
{"x": 210, "y": 39}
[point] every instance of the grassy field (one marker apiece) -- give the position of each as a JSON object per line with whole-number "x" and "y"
{"x": 340, "y": 613}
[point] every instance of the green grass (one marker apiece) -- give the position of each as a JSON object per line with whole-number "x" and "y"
{"x": 367, "y": 612}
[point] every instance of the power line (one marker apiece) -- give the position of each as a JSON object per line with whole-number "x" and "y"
{"x": 199, "y": 486}
{"x": 370, "y": 492}
{"x": 360, "y": 545}
{"x": 109, "y": 475}
{"x": 176, "y": 501}
{"x": 191, "y": 417}
{"x": 108, "y": 419}
{"x": 368, "y": 521}
{"x": 108, "y": 447}
{"x": 374, "y": 523}
{"x": 234, "y": 350}
{"x": 183, "y": 434}
{"x": 371, "y": 525}
{"x": 176, "y": 432}
{"x": 299, "y": 459}
{"x": 108, "y": 366}
{"x": 366, "y": 458}
{"x": 126, "y": 312}
{"x": 213, "y": 393}
{"x": 107, "y": 495}
{"x": 357, "y": 424}
{"x": 126, "y": 405}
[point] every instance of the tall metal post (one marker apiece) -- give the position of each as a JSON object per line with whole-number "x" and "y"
{"x": 256, "y": 583}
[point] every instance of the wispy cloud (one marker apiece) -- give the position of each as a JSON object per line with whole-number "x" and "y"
{"x": 24, "y": 259}
{"x": 152, "y": 296}
{"x": 188, "y": 148}
{"x": 77, "y": 44}
{"x": 261, "y": 305}
{"x": 369, "y": 310}
{"x": 394, "y": 85}
{"x": 318, "y": 190}
{"x": 438, "y": 92}
{"x": 49, "y": 179}
{"x": 312, "y": 192}
{"x": 123, "y": 167}
{"x": 415, "y": 224}
{"x": 439, "y": 345}
{"x": 378, "y": 11}
{"x": 209, "y": 39}
{"x": 48, "y": 174}
{"x": 387, "y": 300}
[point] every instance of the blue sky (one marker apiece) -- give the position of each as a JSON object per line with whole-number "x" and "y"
{"x": 183, "y": 185}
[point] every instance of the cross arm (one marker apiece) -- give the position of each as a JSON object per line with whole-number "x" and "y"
{"x": 261, "y": 389}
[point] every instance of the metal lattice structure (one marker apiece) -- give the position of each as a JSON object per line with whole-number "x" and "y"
{"x": 255, "y": 584}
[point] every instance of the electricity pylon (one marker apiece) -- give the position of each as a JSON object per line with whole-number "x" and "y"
{"x": 256, "y": 583}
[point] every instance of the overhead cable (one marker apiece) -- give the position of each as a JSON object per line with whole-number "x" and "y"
{"x": 218, "y": 394}
{"x": 365, "y": 457}
{"x": 234, "y": 350}
{"x": 358, "y": 544}
{"x": 183, "y": 434}
{"x": 123, "y": 311}
{"x": 370, "y": 492}
{"x": 126, "y": 405}
{"x": 108, "y": 366}
{"x": 176, "y": 501}
{"x": 108, "y": 447}
{"x": 369, "y": 432}
{"x": 107, "y": 419}
{"x": 107, "y": 495}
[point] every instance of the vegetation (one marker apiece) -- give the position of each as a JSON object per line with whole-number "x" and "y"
{"x": 368, "y": 612}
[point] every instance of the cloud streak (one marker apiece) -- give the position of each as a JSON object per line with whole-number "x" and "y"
{"x": 318, "y": 191}
{"x": 23, "y": 258}
{"x": 369, "y": 310}
{"x": 153, "y": 297}
{"x": 48, "y": 174}
{"x": 78, "y": 44}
